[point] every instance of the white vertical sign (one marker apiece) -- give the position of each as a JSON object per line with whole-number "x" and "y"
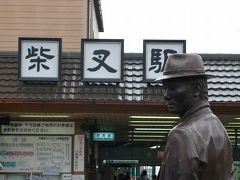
{"x": 102, "y": 60}
{"x": 156, "y": 53}
{"x": 78, "y": 153}
{"x": 39, "y": 58}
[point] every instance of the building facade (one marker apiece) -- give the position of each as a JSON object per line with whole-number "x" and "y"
{"x": 47, "y": 126}
{"x": 70, "y": 20}
{"x": 100, "y": 106}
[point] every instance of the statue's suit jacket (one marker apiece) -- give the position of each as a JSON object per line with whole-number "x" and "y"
{"x": 198, "y": 148}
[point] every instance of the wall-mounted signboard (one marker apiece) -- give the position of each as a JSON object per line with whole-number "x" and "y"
{"x": 40, "y": 127}
{"x": 155, "y": 54}
{"x": 36, "y": 153}
{"x": 103, "y": 136}
{"x": 79, "y": 155}
{"x": 39, "y": 58}
{"x": 102, "y": 60}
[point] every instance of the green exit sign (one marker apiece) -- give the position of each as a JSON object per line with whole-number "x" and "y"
{"x": 103, "y": 136}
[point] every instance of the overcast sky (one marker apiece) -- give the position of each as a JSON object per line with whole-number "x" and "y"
{"x": 208, "y": 26}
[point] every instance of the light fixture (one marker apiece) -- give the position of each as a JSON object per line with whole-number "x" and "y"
{"x": 233, "y": 123}
{"x": 136, "y": 121}
{"x": 43, "y": 116}
{"x": 232, "y": 126}
{"x": 231, "y": 137}
{"x": 149, "y": 132}
{"x": 238, "y": 118}
{"x": 155, "y": 147}
{"x": 233, "y": 133}
{"x": 153, "y": 129}
{"x": 148, "y": 140}
{"x": 153, "y": 117}
{"x": 146, "y": 136}
{"x": 152, "y": 125}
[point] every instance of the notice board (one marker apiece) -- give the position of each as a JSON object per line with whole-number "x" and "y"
{"x": 36, "y": 153}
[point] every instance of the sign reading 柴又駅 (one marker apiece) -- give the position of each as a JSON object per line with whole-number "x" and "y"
{"x": 39, "y": 58}
{"x": 155, "y": 54}
{"x": 102, "y": 60}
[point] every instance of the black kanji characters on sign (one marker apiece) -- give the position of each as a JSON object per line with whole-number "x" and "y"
{"x": 156, "y": 64}
{"x": 38, "y": 60}
{"x": 166, "y": 52}
{"x": 156, "y": 60}
{"x": 101, "y": 57}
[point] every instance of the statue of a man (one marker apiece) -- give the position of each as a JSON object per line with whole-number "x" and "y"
{"x": 198, "y": 148}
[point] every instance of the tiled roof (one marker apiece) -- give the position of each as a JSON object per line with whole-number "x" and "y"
{"x": 224, "y": 88}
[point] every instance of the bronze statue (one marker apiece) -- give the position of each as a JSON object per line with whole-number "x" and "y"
{"x": 198, "y": 147}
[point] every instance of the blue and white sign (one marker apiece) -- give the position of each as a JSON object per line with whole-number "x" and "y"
{"x": 103, "y": 136}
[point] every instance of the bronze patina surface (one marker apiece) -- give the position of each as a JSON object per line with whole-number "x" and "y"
{"x": 198, "y": 148}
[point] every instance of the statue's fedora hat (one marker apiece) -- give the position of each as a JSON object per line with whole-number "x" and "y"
{"x": 183, "y": 65}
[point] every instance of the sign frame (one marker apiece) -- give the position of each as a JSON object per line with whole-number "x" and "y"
{"x": 79, "y": 153}
{"x": 39, "y": 128}
{"x": 103, "y": 140}
{"x": 19, "y": 153}
{"x": 158, "y": 43}
{"x": 87, "y": 45}
{"x": 56, "y": 42}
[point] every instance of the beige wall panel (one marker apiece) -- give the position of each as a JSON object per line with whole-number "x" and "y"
{"x": 40, "y": 15}
{"x": 37, "y": 33}
{"x": 5, "y": 38}
{"x": 65, "y": 3}
{"x": 67, "y": 47}
{"x": 39, "y": 27}
{"x": 66, "y": 19}
{"x": 75, "y": 47}
{"x": 40, "y": 8}
{"x": 15, "y": 39}
{"x": 63, "y": 21}
{"x": 8, "y": 45}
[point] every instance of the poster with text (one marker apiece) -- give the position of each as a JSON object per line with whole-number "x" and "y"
{"x": 35, "y": 153}
{"x": 78, "y": 153}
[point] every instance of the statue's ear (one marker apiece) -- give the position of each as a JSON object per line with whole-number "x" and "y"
{"x": 196, "y": 90}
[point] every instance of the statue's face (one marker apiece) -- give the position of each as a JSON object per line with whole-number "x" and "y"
{"x": 178, "y": 95}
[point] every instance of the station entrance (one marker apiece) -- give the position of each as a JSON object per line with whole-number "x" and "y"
{"x": 120, "y": 171}
{"x": 114, "y": 163}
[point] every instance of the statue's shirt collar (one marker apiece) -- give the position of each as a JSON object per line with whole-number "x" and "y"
{"x": 195, "y": 108}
